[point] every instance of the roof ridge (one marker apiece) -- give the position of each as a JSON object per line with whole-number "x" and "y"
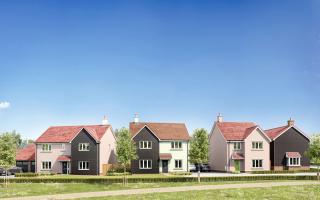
{"x": 157, "y": 123}
{"x": 276, "y": 127}
{"x": 78, "y": 125}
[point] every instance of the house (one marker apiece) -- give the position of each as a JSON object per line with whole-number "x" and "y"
{"x": 161, "y": 147}
{"x": 288, "y": 147}
{"x": 82, "y": 150}
{"x": 238, "y": 146}
{"x": 25, "y": 158}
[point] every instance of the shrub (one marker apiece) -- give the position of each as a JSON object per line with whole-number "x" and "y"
{"x": 284, "y": 171}
{"x": 181, "y": 173}
{"x": 30, "y": 174}
{"x": 117, "y": 174}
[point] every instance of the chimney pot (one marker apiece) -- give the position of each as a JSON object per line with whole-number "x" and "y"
{"x": 136, "y": 118}
{"x": 290, "y": 122}
{"x": 219, "y": 118}
{"x": 105, "y": 121}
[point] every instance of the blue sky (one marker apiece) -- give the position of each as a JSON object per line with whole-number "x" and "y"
{"x": 71, "y": 62}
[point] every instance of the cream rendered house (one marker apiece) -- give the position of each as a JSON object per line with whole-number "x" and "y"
{"x": 238, "y": 146}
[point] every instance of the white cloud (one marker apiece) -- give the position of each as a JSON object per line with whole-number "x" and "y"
{"x": 4, "y": 105}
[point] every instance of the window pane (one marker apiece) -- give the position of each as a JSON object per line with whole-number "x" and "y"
{"x": 172, "y": 145}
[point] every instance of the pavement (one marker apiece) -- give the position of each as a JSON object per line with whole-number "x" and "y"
{"x": 163, "y": 190}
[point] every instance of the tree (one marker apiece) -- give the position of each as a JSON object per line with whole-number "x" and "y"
{"x": 8, "y": 148}
{"x": 126, "y": 150}
{"x": 199, "y": 148}
{"x": 314, "y": 152}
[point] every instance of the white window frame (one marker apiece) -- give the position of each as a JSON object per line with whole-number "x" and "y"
{"x": 47, "y": 164}
{"x": 63, "y": 147}
{"x": 256, "y": 163}
{"x": 46, "y": 147}
{"x": 290, "y": 162}
{"x": 176, "y": 145}
{"x": 145, "y": 144}
{"x": 83, "y": 165}
{"x": 84, "y": 147}
{"x": 257, "y": 145}
{"x": 144, "y": 162}
{"x": 179, "y": 162}
{"x": 237, "y": 146}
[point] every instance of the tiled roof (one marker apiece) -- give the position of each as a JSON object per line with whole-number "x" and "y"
{"x": 27, "y": 153}
{"x": 293, "y": 155}
{"x": 164, "y": 131}
{"x": 67, "y": 133}
{"x": 275, "y": 132}
{"x": 165, "y": 156}
{"x": 64, "y": 158}
{"x": 236, "y": 130}
{"x": 237, "y": 156}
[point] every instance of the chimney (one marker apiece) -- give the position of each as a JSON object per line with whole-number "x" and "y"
{"x": 136, "y": 118}
{"x": 219, "y": 118}
{"x": 290, "y": 122}
{"x": 105, "y": 121}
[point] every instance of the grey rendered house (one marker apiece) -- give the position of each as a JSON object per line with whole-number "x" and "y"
{"x": 81, "y": 150}
{"x": 288, "y": 147}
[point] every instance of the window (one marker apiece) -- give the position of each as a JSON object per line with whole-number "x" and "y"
{"x": 46, "y": 165}
{"x": 176, "y": 145}
{"x": 257, "y": 145}
{"x": 18, "y": 163}
{"x": 256, "y": 163}
{"x": 178, "y": 164}
{"x": 25, "y": 163}
{"x": 145, "y": 145}
{"x": 293, "y": 161}
{"x": 46, "y": 147}
{"x": 84, "y": 147}
{"x": 145, "y": 164}
{"x": 83, "y": 165}
{"x": 237, "y": 146}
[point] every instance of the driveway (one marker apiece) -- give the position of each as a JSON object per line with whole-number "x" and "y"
{"x": 164, "y": 189}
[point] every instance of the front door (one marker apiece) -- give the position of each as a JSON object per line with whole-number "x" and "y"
{"x": 64, "y": 167}
{"x": 165, "y": 166}
{"x": 237, "y": 165}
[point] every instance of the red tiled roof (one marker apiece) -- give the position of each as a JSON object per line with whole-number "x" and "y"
{"x": 275, "y": 132}
{"x": 237, "y": 156}
{"x": 293, "y": 155}
{"x": 236, "y": 130}
{"x": 67, "y": 133}
{"x": 164, "y": 131}
{"x": 27, "y": 153}
{"x": 165, "y": 156}
{"x": 64, "y": 158}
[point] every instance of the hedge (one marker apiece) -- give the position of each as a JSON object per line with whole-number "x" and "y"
{"x": 30, "y": 174}
{"x": 109, "y": 180}
{"x": 284, "y": 171}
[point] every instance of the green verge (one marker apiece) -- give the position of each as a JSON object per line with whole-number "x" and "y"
{"x": 139, "y": 179}
{"x": 283, "y": 193}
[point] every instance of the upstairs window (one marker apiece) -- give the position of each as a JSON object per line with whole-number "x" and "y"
{"x": 257, "y": 145}
{"x": 84, "y": 147}
{"x": 176, "y": 145}
{"x": 145, "y": 145}
{"x": 46, "y": 147}
{"x": 237, "y": 146}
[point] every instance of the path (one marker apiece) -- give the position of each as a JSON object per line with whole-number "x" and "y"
{"x": 162, "y": 190}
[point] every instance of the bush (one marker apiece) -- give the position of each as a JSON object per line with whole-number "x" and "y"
{"x": 181, "y": 173}
{"x": 117, "y": 174}
{"x": 119, "y": 169}
{"x": 284, "y": 171}
{"x": 131, "y": 179}
{"x": 30, "y": 174}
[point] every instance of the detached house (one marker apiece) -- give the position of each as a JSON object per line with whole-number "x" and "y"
{"x": 238, "y": 146}
{"x": 161, "y": 147}
{"x": 288, "y": 147}
{"x": 79, "y": 150}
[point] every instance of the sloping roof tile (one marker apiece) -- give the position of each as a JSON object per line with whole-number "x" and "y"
{"x": 236, "y": 130}
{"x": 164, "y": 131}
{"x": 275, "y": 132}
{"x": 67, "y": 133}
{"x": 293, "y": 155}
{"x": 27, "y": 153}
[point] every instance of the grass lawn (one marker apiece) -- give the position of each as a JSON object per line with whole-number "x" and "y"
{"x": 33, "y": 189}
{"x": 287, "y": 192}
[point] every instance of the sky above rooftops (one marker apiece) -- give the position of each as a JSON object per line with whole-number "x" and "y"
{"x": 72, "y": 62}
